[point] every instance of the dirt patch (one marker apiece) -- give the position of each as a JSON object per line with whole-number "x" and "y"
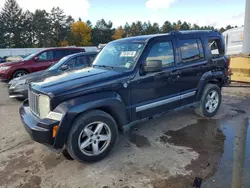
{"x": 14, "y": 169}
{"x": 33, "y": 182}
{"x": 174, "y": 182}
{"x": 204, "y": 137}
{"x": 139, "y": 140}
{"x": 52, "y": 160}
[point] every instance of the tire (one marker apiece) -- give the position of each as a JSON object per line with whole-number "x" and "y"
{"x": 207, "y": 108}
{"x": 19, "y": 73}
{"x": 84, "y": 133}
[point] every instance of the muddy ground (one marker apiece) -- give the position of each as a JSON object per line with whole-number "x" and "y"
{"x": 169, "y": 151}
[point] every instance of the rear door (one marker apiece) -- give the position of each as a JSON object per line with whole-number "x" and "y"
{"x": 192, "y": 65}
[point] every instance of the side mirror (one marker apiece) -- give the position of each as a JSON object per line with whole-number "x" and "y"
{"x": 64, "y": 68}
{"x": 36, "y": 58}
{"x": 153, "y": 66}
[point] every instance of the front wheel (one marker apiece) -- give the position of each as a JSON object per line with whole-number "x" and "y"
{"x": 210, "y": 101}
{"x": 92, "y": 136}
{"x": 19, "y": 73}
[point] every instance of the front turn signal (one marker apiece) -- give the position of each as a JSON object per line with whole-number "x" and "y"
{"x": 55, "y": 129}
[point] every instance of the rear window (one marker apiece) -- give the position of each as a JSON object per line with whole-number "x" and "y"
{"x": 216, "y": 47}
{"x": 191, "y": 50}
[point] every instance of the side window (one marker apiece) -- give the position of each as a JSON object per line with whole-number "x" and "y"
{"x": 162, "y": 51}
{"x": 191, "y": 50}
{"x": 215, "y": 45}
{"x": 46, "y": 56}
{"x": 81, "y": 61}
{"x": 59, "y": 54}
{"x": 91, "y": 58}
{"x": 71, "y": 63}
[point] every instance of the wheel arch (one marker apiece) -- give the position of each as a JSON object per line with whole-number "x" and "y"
{"x": 21, "y": 69}
{"x": 209, "y": 77}
{"x": 113, "y": 105}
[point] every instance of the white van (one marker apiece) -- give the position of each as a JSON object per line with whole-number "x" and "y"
{"x": 234, "y": 40}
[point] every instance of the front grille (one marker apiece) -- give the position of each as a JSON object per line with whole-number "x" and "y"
{"x": 33, "y": 102}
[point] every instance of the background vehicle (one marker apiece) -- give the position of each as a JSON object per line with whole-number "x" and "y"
{"x": 234, "y": 40}
{"x": 34, "y": 62}
{"x": 131, "y": 79}
{"x": 18, "y": 87}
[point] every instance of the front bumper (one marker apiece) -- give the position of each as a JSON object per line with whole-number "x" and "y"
{"x": 18, "y": 92}
{"x": 40, "y": 130}
{"x": 3, "y": 77}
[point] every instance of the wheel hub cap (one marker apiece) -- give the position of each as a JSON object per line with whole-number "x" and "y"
{"x": 212, "y": 101}
{"x": 94, "y": 139}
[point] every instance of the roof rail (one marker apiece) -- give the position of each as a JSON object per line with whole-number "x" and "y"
{"x": 174, "y": 32}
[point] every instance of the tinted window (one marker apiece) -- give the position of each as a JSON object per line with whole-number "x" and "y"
{"x": 81, "y": 61}
{"x": 216, "y": 48}
{"x": 58, "y": 54}
{"x": 46, "y": 56}
{"x": 162, "y": 51}
{"x": 191, "y": 50}
{"x": 91, "y": 58}
{"x": 71, "y": 63}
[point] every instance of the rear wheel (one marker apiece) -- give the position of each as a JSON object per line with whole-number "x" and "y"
{"x": 210, "y": 101}
{"x": 19, "y": 73}
{"x": 92, "y": 136}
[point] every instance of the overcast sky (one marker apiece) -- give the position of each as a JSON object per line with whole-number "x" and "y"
{"x": 218, "y": 13}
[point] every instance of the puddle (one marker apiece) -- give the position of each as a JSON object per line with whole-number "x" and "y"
{"x": 233, "y": 168}
{"x": 224, "y": 153}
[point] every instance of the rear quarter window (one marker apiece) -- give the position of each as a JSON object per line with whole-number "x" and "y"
{"x": 215, "y": 45}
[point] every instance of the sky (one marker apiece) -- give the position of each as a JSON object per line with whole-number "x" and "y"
{"x": 217, "y": 13}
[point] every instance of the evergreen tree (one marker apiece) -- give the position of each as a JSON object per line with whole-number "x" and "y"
{"x": 42, "y": 29}
{"x": 11, "y": 18}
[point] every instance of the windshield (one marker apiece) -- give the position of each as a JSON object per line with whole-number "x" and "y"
{"x": 30, "y": 56}
{"x": 122, "y": 56}
{"x": 58, "y": 64}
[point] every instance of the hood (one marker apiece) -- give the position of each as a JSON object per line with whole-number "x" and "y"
{"x": 75, "y": 81}
{"x": 35, "y": 76}
{"x": 12, "y": 63}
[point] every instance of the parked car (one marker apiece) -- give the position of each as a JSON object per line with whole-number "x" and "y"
{"x": 18, "y": 87}
{"x": 131, "y": 79}
{"x": 35, "y": 62}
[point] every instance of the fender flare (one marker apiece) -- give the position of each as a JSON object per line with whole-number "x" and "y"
{"x": 214, "y": 77}
{"x": 110, "y": 102}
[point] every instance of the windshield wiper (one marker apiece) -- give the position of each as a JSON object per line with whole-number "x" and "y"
{"x": 104, "y": 66}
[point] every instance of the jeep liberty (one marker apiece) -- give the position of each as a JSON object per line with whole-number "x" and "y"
{"x": 131, "y": 79}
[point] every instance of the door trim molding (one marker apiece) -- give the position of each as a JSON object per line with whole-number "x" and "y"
{"x": 164, "y": 101}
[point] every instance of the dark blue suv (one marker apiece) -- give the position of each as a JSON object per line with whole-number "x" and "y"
{"x": 131, "y": 79}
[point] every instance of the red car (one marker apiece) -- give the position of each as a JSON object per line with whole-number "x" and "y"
{"x": 35, "y": 62}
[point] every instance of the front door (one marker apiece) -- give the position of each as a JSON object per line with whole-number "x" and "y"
{"x": 157, "y": 92}
{"x": 43, "y": 61}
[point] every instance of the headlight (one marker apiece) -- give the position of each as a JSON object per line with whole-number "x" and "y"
{"x": 4, "y": 68}
{"x": 44, "y": 106}
{"x": 16, "y": 83}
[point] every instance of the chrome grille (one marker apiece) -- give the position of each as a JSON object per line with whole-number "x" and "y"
{"x": 33, "y": 102}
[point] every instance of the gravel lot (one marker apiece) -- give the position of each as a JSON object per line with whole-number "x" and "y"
{"x": 169, "y": 151}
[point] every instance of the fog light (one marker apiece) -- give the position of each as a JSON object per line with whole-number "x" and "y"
{"x": 55, "y": 129}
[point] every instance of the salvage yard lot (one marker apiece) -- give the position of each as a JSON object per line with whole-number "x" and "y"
{"x": 169, "y": 150}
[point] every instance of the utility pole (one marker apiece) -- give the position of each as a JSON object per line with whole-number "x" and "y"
{"x": 246, "y": 40}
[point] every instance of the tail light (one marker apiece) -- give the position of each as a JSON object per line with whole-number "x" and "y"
{"x": 228, "y": 70}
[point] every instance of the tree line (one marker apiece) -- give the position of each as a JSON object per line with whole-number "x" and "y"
{"x": 24, "y": 29}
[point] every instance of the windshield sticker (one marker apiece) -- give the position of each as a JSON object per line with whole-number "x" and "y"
{"x": 127, "y": 65}
{"x": 128, "y": 54}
